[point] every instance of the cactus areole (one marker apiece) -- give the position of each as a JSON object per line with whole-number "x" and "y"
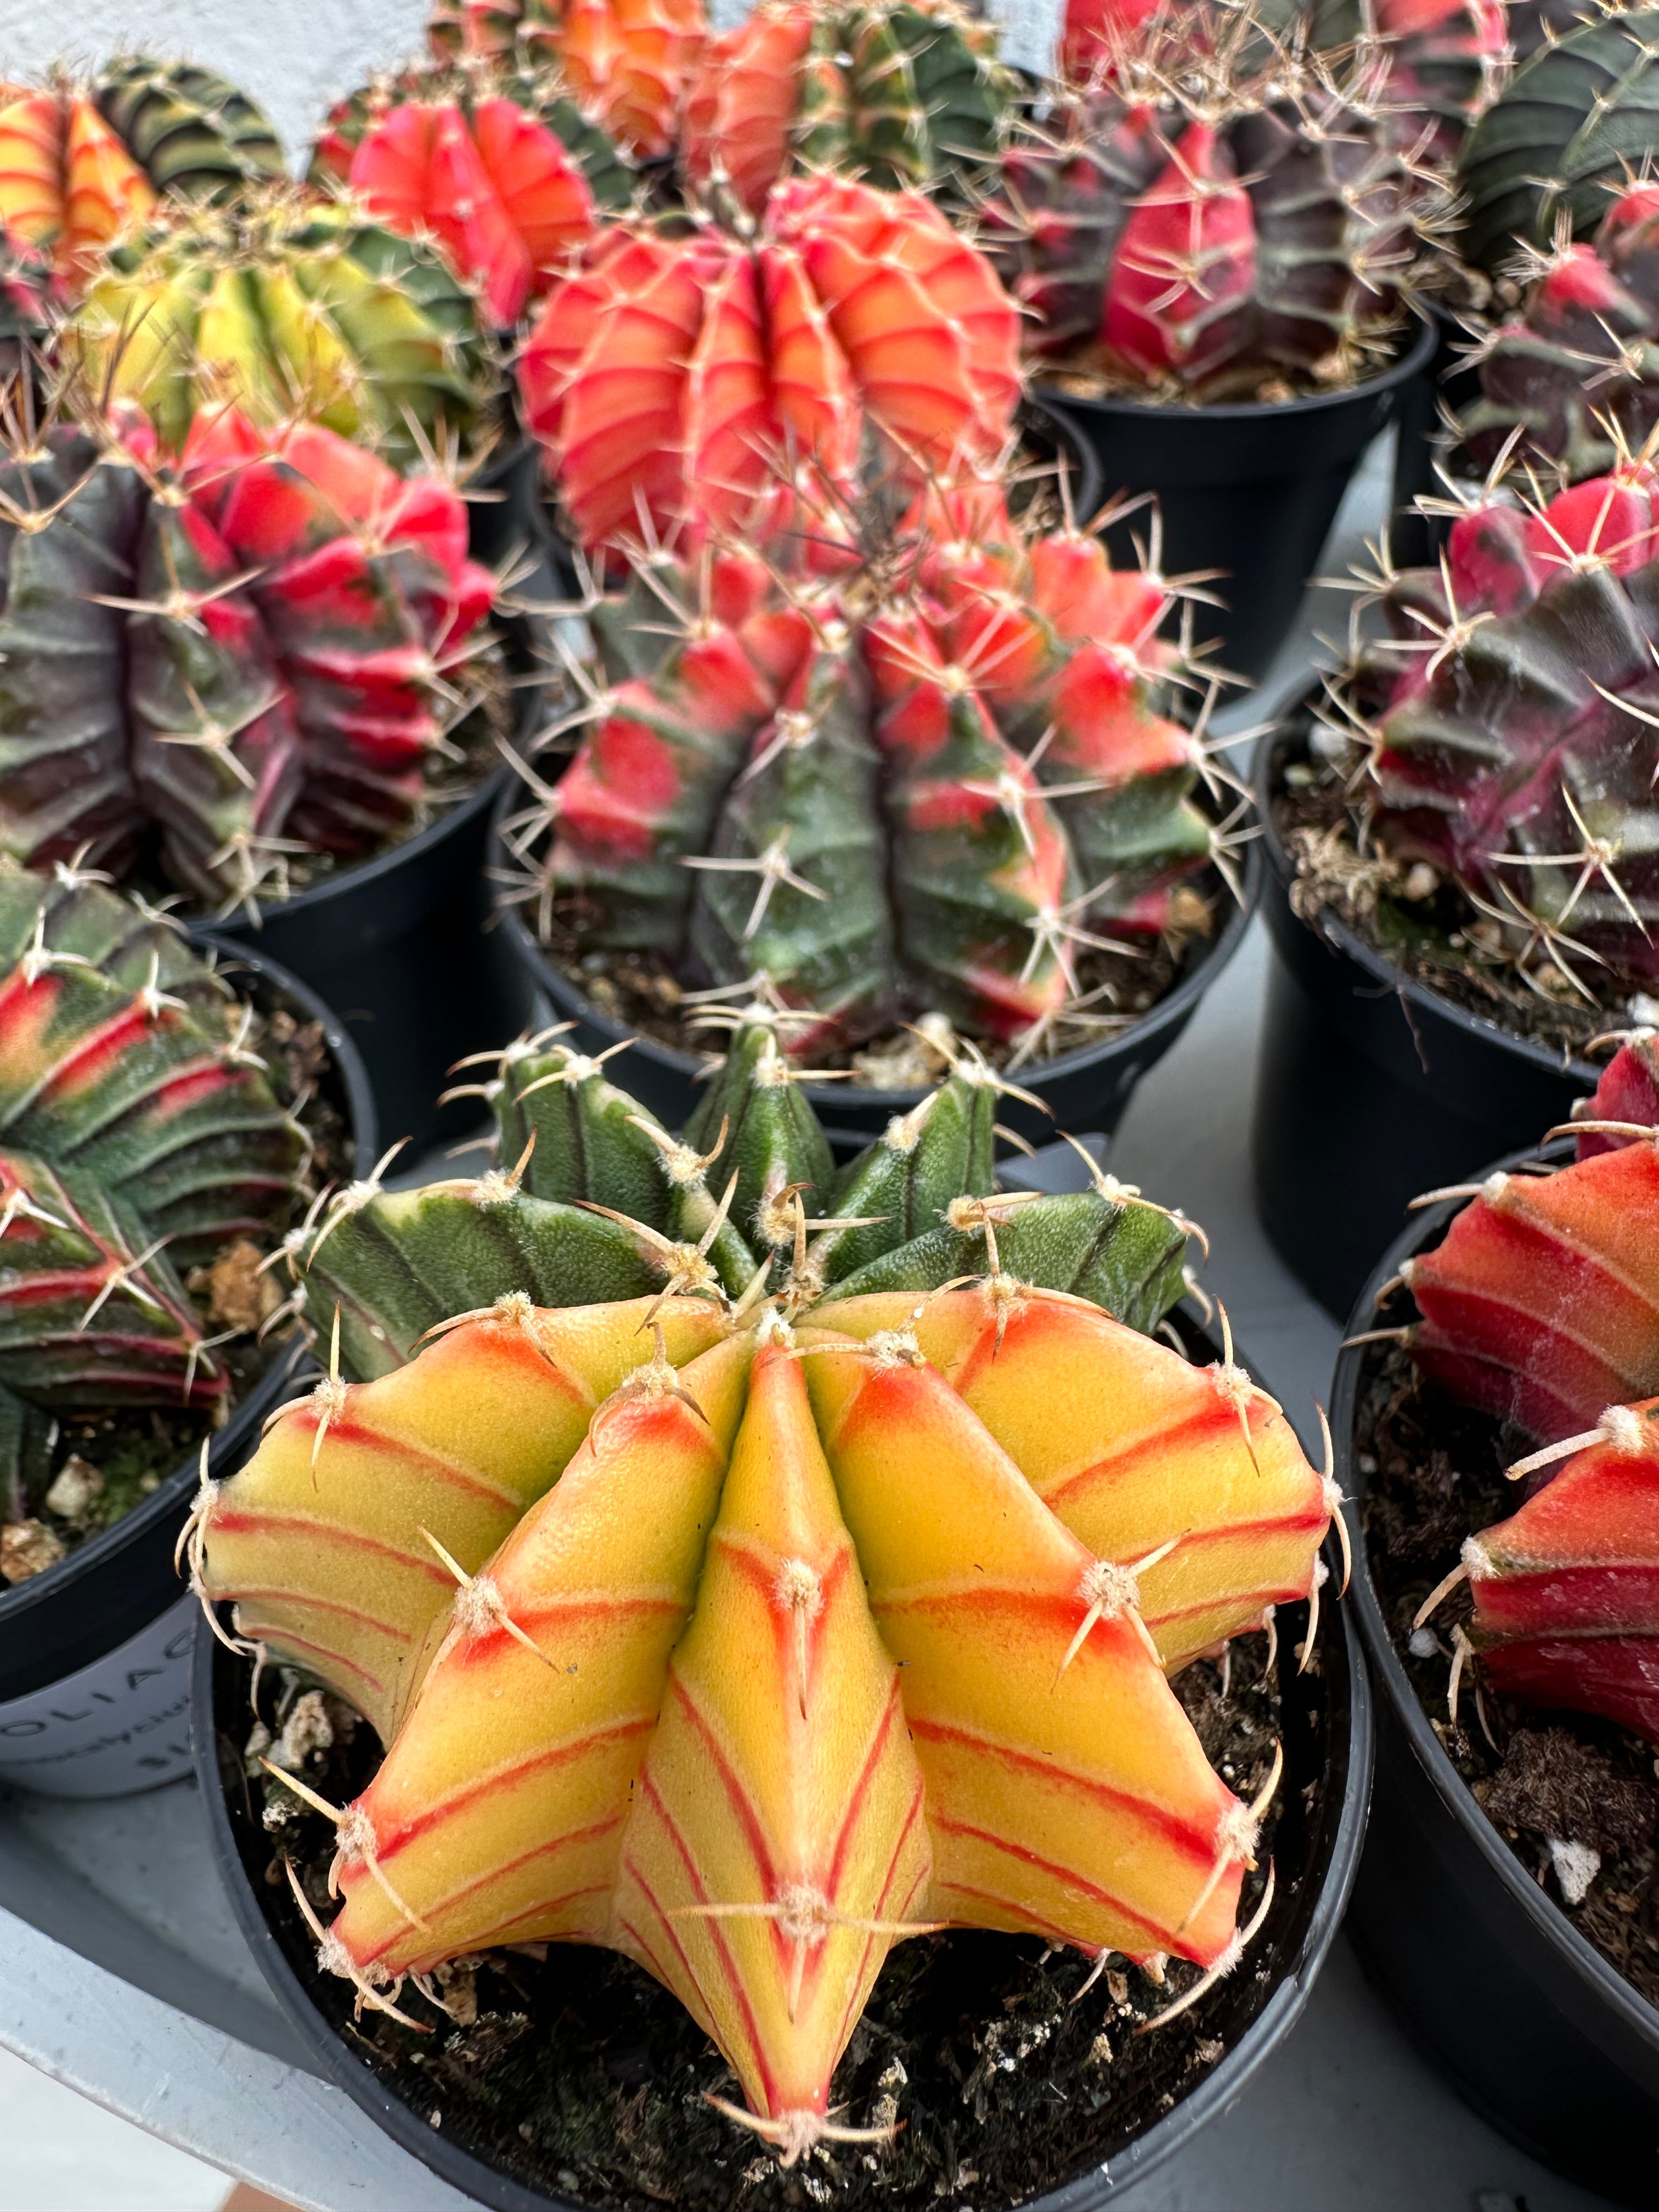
{"x": 851, "y": 1676}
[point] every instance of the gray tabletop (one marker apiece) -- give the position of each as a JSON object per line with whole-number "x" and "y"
{"x": 122, "y": 1974}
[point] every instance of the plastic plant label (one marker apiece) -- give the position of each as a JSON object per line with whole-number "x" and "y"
{"x": 119, "y": 1725}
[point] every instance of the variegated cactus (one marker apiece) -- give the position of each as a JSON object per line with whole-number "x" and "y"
{"x": 1213, "y": 213}
{"x": 1500, "y": 727}
{"x": 849, "y": 1677}
{"x": 1566, "y": 1590}
{"x": 591, "y": 1200}
{"x": 138, "y": 1135}
{"x": 1540, "y": 1304}
{"x": 253, "y": 644}
{"x": 939, "y": 779}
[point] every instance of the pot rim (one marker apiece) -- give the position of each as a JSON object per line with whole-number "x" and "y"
{"x": 344, "y": 883}
{"x": 1389, "y": 1677}
{"x": 1336, "y": 934}
{"x": 1412, "y": 362}
{"x": 60, "y": 1581}
{"x": 829, "y": 1099}
{"x": 484, "y": 2184}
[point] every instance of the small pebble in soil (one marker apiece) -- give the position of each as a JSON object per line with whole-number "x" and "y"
{"x": 75, "y": 1490}
{"x": 27, "y": 1547}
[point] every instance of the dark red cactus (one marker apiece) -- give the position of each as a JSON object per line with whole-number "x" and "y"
{"x": 1626, "y": 1099}
{"x": 1213, "y": 213}
{"x": 1576, "y": 376}
{"x": 1512, "y": 722}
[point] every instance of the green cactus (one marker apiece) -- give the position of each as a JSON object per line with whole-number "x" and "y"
{"x": 919, "y": 1206}
{"x": 283, "y": 305}
{"x": 1572, "y": 125}
{"x": 192, "y": 133}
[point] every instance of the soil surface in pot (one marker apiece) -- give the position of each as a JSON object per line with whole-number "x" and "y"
{"x": 1342, "y": 370}
{"x": 1434, "y": 1474}
{"x": 102, "y": 1465}
{"x": 572, "y": 2071}
{"x": 1424, "y": 925}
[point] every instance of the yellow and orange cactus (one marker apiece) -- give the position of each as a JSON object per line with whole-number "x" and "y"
{"x": 773, "y": 1655}
{"x": 67, "y": 184}
{"x": 1193, "y": 1472}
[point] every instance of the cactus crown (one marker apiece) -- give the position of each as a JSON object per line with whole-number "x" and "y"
{"x": 1220, "y": 212}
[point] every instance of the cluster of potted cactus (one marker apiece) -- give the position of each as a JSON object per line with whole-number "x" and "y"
{"x": 739, "y": 1555}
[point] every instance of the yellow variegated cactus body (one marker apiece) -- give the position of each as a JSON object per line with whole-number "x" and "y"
{"x": 1136, "y": 1450}
{"x": 766, "y": 1650}
{"x": 335, "y": 1573}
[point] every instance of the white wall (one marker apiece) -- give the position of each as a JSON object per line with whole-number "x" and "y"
{"x": 293, "y": 55}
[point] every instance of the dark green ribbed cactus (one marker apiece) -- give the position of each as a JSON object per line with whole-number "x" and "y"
{"x": 1575, "y": 122}
{"x": 192, "y": 133}
{"x": 901, "y": 92}
{"x": 593, "y": 1199}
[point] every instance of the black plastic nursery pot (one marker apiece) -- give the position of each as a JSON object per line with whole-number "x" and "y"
{"x": 1370, "y": 1088}
{"x": 94, "y": 1675}
{"x": 1087, "y": 1089}
{"x": 404, "y": 947}
{"x": 1447, "y": 381}
{"x": 1325, "y": 1789}
{"x": 1249, "y": 489}
{"x": 1536, "y": 2029}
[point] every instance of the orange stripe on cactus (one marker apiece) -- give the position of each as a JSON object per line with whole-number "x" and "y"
{"x": 32, "y": 127}
{"x": 105, "y": 193}
{"x": 1161, "y": 1939}
{"x": 741, "y": 104}
{"x": 1183, "y": 1832}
